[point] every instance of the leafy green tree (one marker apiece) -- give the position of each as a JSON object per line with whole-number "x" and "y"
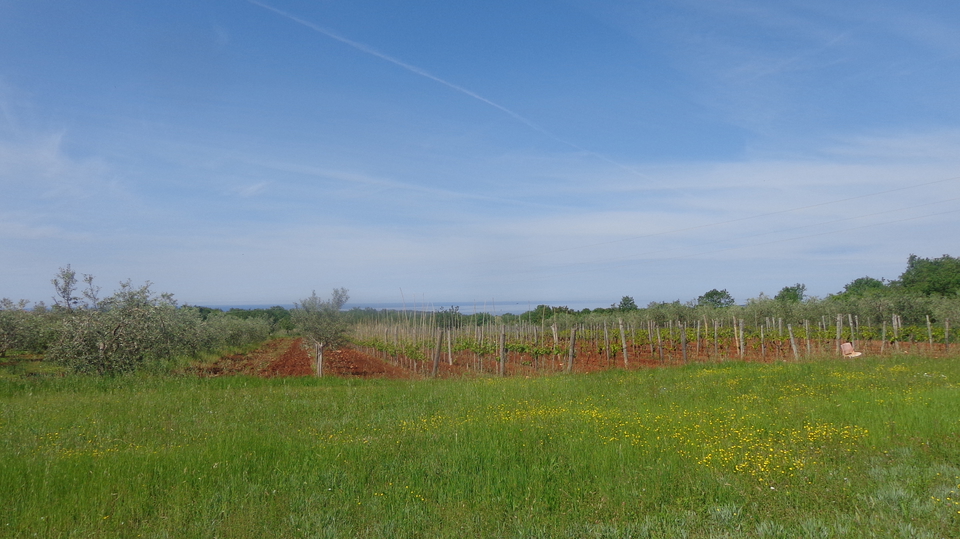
{"x": 932, "y": 277}
{"x": 863, "y": 286}
{"x": 322, "y": 322}
{"x": 627, "y": 304}
{"x": 716, "y": 298}
{"x": 791, "y": 294}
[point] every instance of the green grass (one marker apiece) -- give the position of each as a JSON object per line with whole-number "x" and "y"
{"x": 866, "y": 448}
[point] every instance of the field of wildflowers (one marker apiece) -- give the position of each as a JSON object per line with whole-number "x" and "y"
{"x": 829, "y": 448}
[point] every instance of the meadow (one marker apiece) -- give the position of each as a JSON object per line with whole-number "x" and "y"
{"x": 823, "y": 447}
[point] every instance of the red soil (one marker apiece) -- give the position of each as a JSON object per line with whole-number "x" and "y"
{"x": 290, "y": 357}
{"x": 280, "y": 357}
{"x": 352, "y": 362}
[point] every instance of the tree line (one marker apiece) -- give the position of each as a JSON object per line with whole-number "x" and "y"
{"x": 926, "y": 288}
{"x": 136, "y": 327}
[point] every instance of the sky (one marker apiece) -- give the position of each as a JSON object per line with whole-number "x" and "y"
{"x": 433, "y": 153}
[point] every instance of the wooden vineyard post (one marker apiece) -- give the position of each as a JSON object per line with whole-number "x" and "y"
{"x": 883, "y": 336}
{"x": 573, "y": 349}
{"x": 656, "y": 327}
{"x": 930, "y": 333}
{"x": 946, "y": 336}
{"x": 476, "y": 350}
{"x": 698, "y": 338}
{"x": 793, "y": 342}
{"x": 706, "y": 349}
{"x": 896, "y": 332}
{"x": 650, "y": 337}
{"x": 736, "y": 336}
{"x": 623, "y": 343}
{"x": 683, "y": 340}
{"x": 502, "y": 366}
{"x": 606, "y": 342}
{"x": 743, "y": 344}
{"x": 716, "y": 346}
{"x": 319, "y": 350}
{"x": 763, "y": 346}
{"x": 449, "y": 348}
{"x": 806, "y": 334}
{"x": 556, "y": 342}
{"x": 839, "y": 332}
{"x": 536, "y": 344}
{"x": 437, "y": 352}
{"x": 853, "y": 330}
{"x": 396, "y": 344}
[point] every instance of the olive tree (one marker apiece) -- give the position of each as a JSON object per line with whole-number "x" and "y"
{"x": 128, "y": 329}
{"x": 65, "y": 284}
{"x": 13, "y": 325}
{"x": 321, "y": 322}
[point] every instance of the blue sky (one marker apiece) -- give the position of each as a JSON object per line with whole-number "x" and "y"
{"x": 562, "y": 152}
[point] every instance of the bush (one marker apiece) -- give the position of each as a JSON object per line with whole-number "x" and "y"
{"x": 128, "y": 329}
{"x": 135, "y": 327}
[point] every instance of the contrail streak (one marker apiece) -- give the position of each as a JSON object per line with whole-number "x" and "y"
{"x": 416, "y": 70}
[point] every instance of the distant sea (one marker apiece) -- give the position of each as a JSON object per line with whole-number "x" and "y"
{"x": 466, "y": 307}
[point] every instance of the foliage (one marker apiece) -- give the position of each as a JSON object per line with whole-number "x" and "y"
{"x": 222, "y": 330}
{"x": 321, "y": 320}
{"x": 65, "y": 285}
{"x": 131, "y": 327}
{"x": 932, "y": 277}
{"x": 627, "y": 304}
{"x": 541, "y": 313}
{"x": 278, "y": 316}
{"x": 864, "y": 286}
{"x": 13, "y": 325}
{"x": 716, "y": 298}
{"x": 791, "y": 294}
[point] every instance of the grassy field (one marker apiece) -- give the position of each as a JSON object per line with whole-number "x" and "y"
{"x": 862, "y": 448}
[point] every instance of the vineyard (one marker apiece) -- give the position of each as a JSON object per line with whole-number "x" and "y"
{"x": 135, "y": 416}
{"x": 416, "y": 341}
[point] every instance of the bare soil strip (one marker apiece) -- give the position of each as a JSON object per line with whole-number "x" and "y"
{"x": 289, "y": 357}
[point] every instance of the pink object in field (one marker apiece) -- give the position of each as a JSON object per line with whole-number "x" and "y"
{"x": 848, "y": 351}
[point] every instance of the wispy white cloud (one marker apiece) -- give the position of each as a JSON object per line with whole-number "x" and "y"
{"x": 384, "y": 183}
{"x": 19, "y": 230}
{"x": 252, "y": 190}
{"x": 930, "y": 147}
{"x": 423, "y": 73}
{"x": 39, "y": 165}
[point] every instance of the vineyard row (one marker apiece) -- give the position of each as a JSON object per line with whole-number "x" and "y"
{"x": 529, "y": 348}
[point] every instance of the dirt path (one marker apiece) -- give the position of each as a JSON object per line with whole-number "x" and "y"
{"x": 279, "y": 357}
{"x": 289, "y": 357}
